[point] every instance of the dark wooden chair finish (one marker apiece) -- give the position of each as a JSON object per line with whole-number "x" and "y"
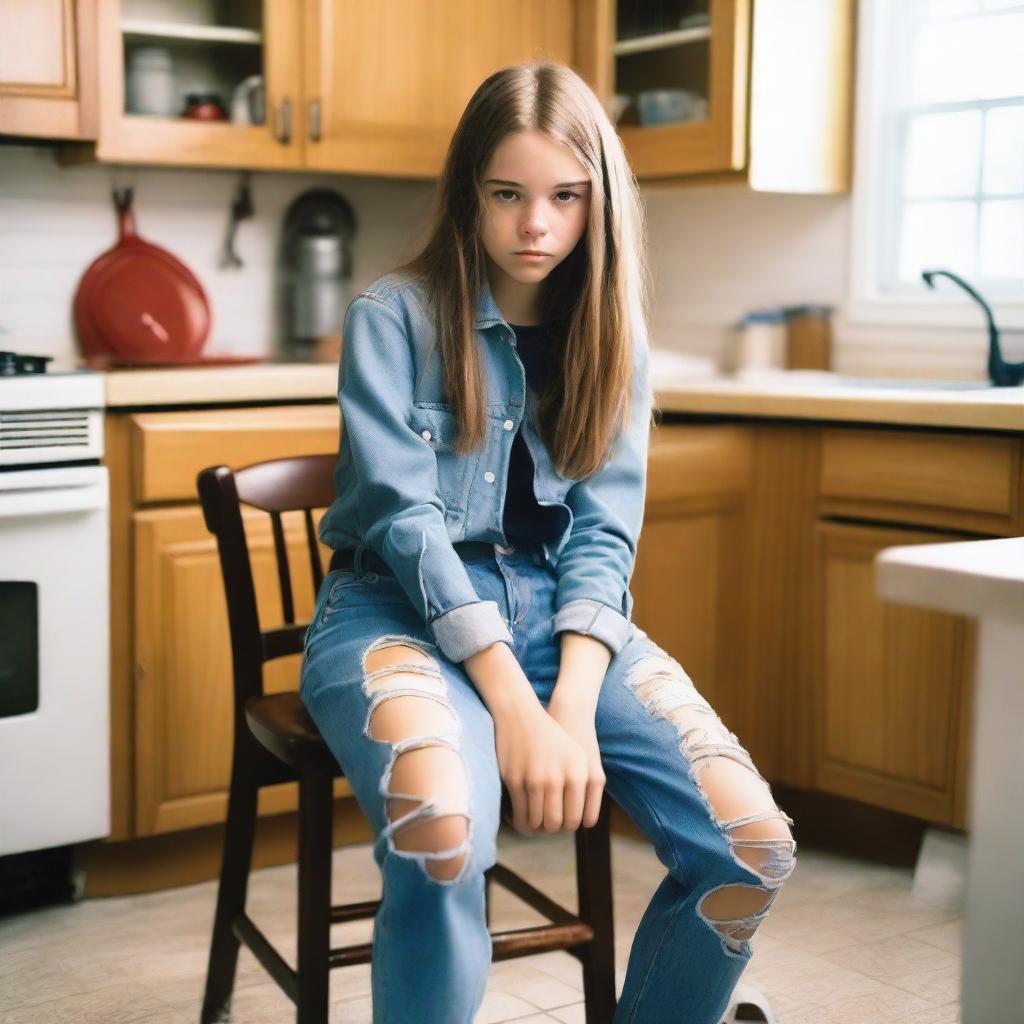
{"x": 276, "y": 741}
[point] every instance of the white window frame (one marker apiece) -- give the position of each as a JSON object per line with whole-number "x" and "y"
{"x": 945, "y": 306}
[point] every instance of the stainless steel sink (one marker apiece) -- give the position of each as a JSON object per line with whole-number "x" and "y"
{"x": 916, "y": 384}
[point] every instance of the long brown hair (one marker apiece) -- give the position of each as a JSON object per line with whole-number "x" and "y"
{"x": 595, "y": 301}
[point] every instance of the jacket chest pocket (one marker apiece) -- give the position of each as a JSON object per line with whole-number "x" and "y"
{"x": 437, "y": 428}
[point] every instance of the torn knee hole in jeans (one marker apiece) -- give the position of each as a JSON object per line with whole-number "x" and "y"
{"x": 425, "y": 783}
{"x": 736, "y": 796}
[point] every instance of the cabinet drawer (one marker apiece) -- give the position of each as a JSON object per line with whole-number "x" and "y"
{"x": 966, "y": 482}
{"x": 170, "y": 448}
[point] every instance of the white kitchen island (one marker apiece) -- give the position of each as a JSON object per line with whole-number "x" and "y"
{"x": 984, "y": 579}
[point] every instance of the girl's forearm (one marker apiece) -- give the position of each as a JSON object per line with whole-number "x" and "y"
{"x": 582, "y": 669}
{"x": 500, "y": 681}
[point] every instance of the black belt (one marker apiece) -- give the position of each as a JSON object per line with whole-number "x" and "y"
{"x": 344, "y": 558}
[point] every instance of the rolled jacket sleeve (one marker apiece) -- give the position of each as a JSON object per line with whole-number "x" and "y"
{"x": 597, "y": 561}
{"x": 401, "y": 515}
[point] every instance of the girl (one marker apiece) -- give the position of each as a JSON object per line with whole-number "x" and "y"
{"x": 475, "y": 626}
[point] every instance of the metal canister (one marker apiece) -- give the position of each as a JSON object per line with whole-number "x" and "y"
{"x": 808, "y": 337}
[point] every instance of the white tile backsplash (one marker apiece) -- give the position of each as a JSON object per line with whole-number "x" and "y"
{"x": 55, "y": 220}
{"x": 716, "y": 253}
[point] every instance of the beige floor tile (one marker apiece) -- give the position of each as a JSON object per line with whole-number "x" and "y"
{"x": 845, "y": 943}
{"x": 501, "y": 1006}
{"x": 575, "y": 1014}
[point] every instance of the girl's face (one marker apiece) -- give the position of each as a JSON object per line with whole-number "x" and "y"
{"x": 536, "y": 197}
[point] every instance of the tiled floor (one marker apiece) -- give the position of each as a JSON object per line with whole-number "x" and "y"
{"x": 845, "y": 943}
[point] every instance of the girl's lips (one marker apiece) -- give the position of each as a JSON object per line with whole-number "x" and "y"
{"x": 532, "y": 255}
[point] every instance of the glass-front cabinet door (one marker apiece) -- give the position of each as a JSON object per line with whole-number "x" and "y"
{"x": 673, "y": 75}
{"x": 202, "y": 82}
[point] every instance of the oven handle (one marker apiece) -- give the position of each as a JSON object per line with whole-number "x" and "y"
{"x": 84, "y": 491}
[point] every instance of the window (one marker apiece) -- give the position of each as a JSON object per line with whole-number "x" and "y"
{"x": 939, "y": 151}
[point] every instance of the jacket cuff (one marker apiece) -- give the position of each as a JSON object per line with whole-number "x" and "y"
{"x": 592, "y": 618}
{"x": 470, "y": 628}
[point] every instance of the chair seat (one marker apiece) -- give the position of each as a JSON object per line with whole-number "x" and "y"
{"x": 282, "y": 724}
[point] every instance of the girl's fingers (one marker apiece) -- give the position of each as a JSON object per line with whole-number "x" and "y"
{"x": 595, "y": 790}
{"x": 536, "y": 794}
{"x": 553, "y": 807}
{"x": 520, "y": 808}
{"x": 574, "y": 798}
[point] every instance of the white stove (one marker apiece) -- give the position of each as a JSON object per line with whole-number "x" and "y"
{"x": 54, "y": 607}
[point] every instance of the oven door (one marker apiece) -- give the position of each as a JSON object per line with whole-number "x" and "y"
{"x": 54, "y": 657}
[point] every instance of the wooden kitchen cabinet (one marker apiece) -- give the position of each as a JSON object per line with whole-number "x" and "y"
{"x": 211, "y": 53}
{"x": 765, "y": 124}
{"x": 386, "y": 83}
{"x": 183, "y": 698}
{"x": 48, "y": 69}
{"x": 170, "y": 649}
{"x": 893, "y": 701}
{"x": 689, "y": 585}
{"x": 351, "y": 88}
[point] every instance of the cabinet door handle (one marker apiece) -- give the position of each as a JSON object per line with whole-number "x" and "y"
{"x": 284, "y": 122}
{"x": 314, "y": 120}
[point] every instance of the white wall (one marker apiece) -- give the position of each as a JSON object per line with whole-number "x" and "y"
{"x": 55, "y": 220}
{"x": 716, "y": 252}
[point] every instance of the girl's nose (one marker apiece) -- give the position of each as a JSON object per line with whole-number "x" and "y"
{"x": 535, "y": 222}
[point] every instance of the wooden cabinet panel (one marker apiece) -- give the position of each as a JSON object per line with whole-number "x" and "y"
{"x": 183, "y": 726}
{"x": 170, "y": 448}
{"x": 48, "y": 68}
{"x": 959, "y": 481}
{"x": 688, "y": 586}
{"x": 143, "y": 138}
{"x": 764, "y": 126}
{"x": 893, "y": 683}
{"x": 387, "y": 82}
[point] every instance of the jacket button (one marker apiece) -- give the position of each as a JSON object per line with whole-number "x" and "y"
{"x": 508, "y": 424}
{"x": 489, "y": 477}
{"x": 425, "y": 435}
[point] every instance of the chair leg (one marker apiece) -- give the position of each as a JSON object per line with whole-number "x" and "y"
{"x": 231, "y": 890}
{"x": 316, "y": 806}
{"x": 594, "y": 884}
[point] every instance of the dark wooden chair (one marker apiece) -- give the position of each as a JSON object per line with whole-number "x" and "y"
{"x": 276, "y": 741}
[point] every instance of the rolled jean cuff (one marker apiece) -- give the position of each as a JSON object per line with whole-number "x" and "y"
{"x": 470, "y": 628}
{"x": 592, "y": 618}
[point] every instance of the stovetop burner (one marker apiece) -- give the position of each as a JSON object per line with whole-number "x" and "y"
{"x": 12, "y": 364}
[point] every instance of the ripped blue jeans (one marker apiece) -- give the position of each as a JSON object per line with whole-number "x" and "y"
{"x": 669, "y": 761}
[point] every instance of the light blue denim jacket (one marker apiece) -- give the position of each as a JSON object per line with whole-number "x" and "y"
{"x": 403, "y": 493}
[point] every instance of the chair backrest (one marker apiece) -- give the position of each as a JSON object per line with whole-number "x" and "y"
{"x": 301, "y": 483}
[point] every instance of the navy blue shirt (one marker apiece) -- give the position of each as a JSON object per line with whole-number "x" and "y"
{"x": 523, "y": 517}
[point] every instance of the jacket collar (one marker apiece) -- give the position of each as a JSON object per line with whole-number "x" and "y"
{"x": 487, "y": 313}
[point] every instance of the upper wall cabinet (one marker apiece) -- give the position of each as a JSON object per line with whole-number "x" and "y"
{"x": 47, "y": 69}
{"x": 324, "y": 84}
{"x": 387, "y": 82}
{"x": 211, "y": 83}
{"x": 727, "y": 90}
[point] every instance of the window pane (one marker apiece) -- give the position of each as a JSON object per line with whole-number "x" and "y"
{"x": 942, "y": 154}
{"x": 968, "y": 58}
{"x": 950, "y": 8}
{"x": 999, "y": 63}
{"x": 946, "y": 62}
{"x": 1002, "y": 239}
{"x": 1004, "y": 151}
{"x": 937, "y": 235}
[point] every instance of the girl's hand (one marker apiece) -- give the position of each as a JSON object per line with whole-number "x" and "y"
{"x": 576, "y": 716}
{"x": 543, "y": 767}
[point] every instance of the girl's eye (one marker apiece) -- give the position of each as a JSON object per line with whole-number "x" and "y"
{"x": 564, "y": 202}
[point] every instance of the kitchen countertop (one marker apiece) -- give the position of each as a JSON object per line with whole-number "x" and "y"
{"x": 983, "y": 579}
{"x": 810, "y": 395}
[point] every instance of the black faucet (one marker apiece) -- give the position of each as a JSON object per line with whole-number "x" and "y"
{"x": 1001, "y": 373}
